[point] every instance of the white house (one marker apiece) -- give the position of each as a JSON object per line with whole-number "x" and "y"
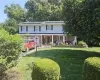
{"x": 45, "y": 32}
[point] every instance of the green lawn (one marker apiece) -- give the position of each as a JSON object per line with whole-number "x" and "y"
{"x": 70, "y": 60}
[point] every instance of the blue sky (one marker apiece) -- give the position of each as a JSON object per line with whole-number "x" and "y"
{"x": 8, "y": 2}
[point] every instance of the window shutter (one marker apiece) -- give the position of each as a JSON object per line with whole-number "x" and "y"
{"x": 26, "y": 28}
{"x": 46, "y": 27}
{"x": 39, "y": 28}
{"x": 34, "y": 28}
{"x": 51, "y": 27}
{"x": 62, "y": 28}
{"x": 21, "y": 28}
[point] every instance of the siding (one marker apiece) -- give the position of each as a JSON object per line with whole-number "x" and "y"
{"x": 56, "y": 29}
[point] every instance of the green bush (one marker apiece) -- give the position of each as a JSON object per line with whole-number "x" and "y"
{"x": 10, "y": 46}
{"x": 2, "y": 65}
{"x": 92, "y": 69}
{"x": 82, "y": 44}
{"x": 66, "y": 44}
{"x": 45, "y": 69}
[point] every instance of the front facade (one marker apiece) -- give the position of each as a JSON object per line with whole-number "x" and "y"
{"x": 44, "y": 33}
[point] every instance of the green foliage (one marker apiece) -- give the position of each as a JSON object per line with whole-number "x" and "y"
{"x": 92, "y": 69}
{"x": 15, "y": 15}
{"x": 82, "y": 43}
{"x": 41, "y": 11}
{"x": 2, "y": 69}
{"x": 2, "y": 65}
{"x": 15, "y": 11}
{"x": 82, "y": 18}
{"x": 62, "y": 43}
{"x": 45, "y": 69}
{"x": 10, "y": 29}
{"x": 11, "y": 22}
{"x": 66, "y": 44}
{"x": 10, "y": 46}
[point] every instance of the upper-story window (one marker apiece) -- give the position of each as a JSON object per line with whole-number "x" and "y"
{"x": 49, "y": 27}
{"x": 26, "y": 28}
{"x": 37, "y": 28}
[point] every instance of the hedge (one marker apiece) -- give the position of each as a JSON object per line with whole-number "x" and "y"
{"x": 10, "y": 47}
{"x": 92, "y": 69}
{"x": 45, "y": 69}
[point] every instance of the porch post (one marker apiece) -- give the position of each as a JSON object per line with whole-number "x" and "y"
{"x": 52, "y": 39}
{"x": 64, "y": 39}
{"x": 59, "y": 37}
{"x": 76, "y": 39}
{"x": 41, "y": 39}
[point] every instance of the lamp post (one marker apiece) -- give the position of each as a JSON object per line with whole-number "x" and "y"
{"x": 36, "y": 45}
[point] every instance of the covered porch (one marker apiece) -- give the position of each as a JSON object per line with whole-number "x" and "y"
{"x": 50, "y": 39}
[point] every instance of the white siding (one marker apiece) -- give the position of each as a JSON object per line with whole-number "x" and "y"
{"x": 57, "y": 28}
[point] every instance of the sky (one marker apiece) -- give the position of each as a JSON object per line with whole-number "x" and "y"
{"x": 3, "y": 16}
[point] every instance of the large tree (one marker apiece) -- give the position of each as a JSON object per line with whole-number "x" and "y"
{"x": 41, "y": 11}
{"x": 82, "y": 18}
{"x": 15, "y": 14}
{"x": 15, "y": 11}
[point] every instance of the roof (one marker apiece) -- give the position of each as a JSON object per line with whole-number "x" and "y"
{"x": 31, "y": 22}
{"x": 42, "y": 22}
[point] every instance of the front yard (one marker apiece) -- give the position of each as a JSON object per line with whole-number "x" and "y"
{"x": 70, "y": 60}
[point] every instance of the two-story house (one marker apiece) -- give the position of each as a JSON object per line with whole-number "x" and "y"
{"x": 45, "y": 32}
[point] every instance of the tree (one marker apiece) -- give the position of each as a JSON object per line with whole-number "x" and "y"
{"x": 15, "y": 11}
{"x": 82, "y": 19}
{"x": 41, "y": 11}
{"x": 15, "y": 15}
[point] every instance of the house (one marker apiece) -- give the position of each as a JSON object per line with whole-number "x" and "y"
{"x": 45, "y": 32}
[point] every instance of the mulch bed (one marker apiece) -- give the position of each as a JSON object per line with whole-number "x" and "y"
{"x": 11, "y": 75}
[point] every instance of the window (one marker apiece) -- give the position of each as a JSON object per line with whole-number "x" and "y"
{"x": 49, "y": 27}
{"x": 26, "y": 28}
{"x": 21, "y": 28}
{"x": 37, "y": 28}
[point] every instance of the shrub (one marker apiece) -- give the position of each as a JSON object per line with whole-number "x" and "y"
{"x": 2, "y": 65}
{"x": 62, "y": 43}
{"x": 66, "y": 44}
{"x": 92, "y": 69}
{"x": 70, "y": 44}
{"x": 10, "y": 46}
{"x": 45, "y": 69}
{"x": 82, "y": 43}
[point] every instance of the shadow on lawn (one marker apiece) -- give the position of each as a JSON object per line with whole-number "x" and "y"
{"x": 70, "y": 61}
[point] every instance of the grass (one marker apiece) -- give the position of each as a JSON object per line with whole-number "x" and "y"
{"x": 70, "y": 60}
